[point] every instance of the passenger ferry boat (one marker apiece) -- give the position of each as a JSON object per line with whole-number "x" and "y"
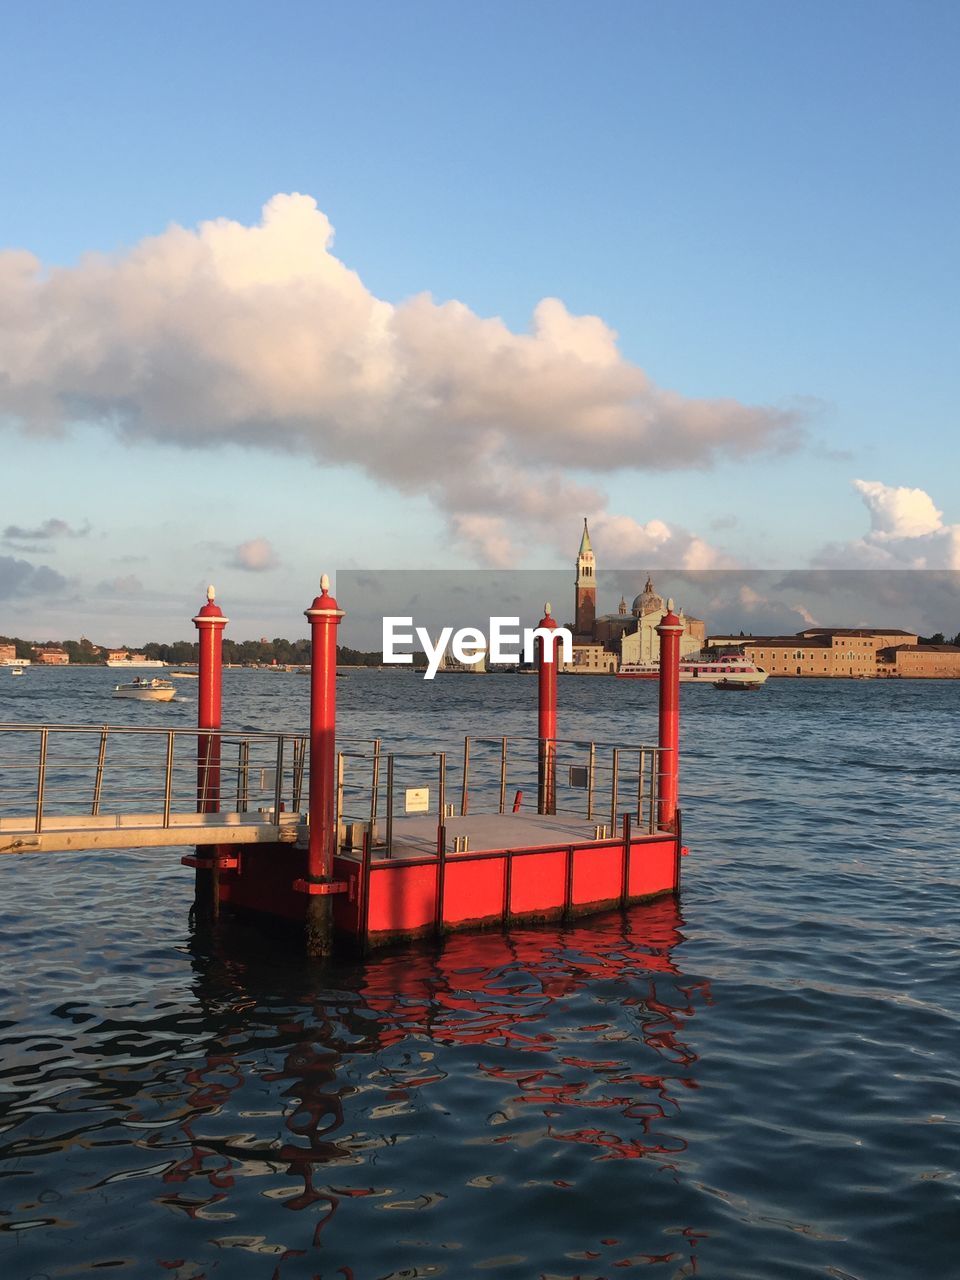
{"x": 135, "y": 662}
{"x": 729, "y": 670}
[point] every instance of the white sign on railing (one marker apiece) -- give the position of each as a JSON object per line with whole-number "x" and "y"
{"x": 416, "y": 800}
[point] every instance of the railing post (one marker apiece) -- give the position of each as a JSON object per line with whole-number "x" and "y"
{"x": 503, "y": 775}
{"x": 338, "y": 811}
{"x": 614, "y": 786}
{"x": 591, "y": 770}
{"x": 389, "y": 833}
{"x": 442, "y": 785}
{"x": 324, "y": 615}
{"x": 670, "y": 630}
{"x": 98, "y": 781}
{"x": 374, "y": 787}
{"x": 641, "y": 769}
{"x": 299, "y": 755}
{"x": 464, "y": 790}
{"x": 547, "y": 718}
{"x": 243, "y": 775}
{"x": 41, "y": 780}
{"x": 168, "y": 780}
{"x": 278, "y": 781}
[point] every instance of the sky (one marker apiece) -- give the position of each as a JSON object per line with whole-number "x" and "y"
{"x": 314, "y": 286}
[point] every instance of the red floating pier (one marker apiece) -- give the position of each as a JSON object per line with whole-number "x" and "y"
{"x": 378, "y": 860}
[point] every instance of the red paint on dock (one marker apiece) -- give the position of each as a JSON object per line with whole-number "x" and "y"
{"x": 400, "y": 898}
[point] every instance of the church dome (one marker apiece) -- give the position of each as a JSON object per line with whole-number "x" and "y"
{"x": 647, "y": 601}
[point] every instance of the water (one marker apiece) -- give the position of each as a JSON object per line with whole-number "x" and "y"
{"x": 761, "y": 1081}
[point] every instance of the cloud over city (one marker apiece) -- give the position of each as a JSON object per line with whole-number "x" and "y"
{"x": 907, "y": 531}
{"x": 261, "y": 335}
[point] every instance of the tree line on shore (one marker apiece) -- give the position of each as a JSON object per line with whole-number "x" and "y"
{"x": 235, "y": 652}
{"x": 247, "y": 652}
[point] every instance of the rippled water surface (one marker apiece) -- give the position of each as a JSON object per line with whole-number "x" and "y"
{"x": 758, "y": 1081}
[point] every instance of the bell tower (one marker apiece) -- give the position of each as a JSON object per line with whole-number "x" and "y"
{"x": 586, "y": 612}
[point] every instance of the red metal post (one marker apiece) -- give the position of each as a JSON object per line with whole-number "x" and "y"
{"x": 670, "y": 630}
{"x": 210, "y": 623}
{"x": 547, "y": 720}
{"x": 324, "y": 615}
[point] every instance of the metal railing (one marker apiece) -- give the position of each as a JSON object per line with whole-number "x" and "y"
{"x": 60, "y": 771}
{"x": 592, "y": 780}
{"x": 50, "y": 772}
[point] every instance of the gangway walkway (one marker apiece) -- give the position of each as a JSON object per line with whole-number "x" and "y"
{"x": 81, "y": 787}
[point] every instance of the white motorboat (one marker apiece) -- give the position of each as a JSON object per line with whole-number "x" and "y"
{"x": 146, "y": 690}
{"x": 16, "y": 671}
{"x": 184, "y": 675}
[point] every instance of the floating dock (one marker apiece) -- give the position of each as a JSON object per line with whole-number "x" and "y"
{"x": 354, "y": 843}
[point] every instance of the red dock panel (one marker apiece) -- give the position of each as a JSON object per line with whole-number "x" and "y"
{"x": 538, "y": 883}
{"x": 402, "y": 897}
{"x": 473, "y": 890}
{"x": 653, "y": 868}
{"x": 597, "y": 874}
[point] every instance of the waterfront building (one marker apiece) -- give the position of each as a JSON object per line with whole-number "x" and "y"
{"x": 836, "y": 652}
{"x": 591, "y": 660}
{"x": 920, "y": 661}
{"x": 880, "y": 637}
{"x": 8, "y": 655}
{"x": 820, "y": 655}
{"x": 124, "y": 658}
{"x": 52, "y": 657}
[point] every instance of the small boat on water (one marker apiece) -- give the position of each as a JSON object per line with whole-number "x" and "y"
{"x": 729, "y": 671}
{"x": 739, "y": 684}
{"x": 16, "y": 671}
{"x": 184, "y": 675}
{"x": 146, "y": 690}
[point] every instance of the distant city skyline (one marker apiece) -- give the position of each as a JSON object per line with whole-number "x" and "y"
{"x": 274, "y": 301}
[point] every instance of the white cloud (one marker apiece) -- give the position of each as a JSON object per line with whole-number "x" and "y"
{"x": 898, "y": 512}
{"x": 255, "y": 556}
{"x": 907, "y": 531}
{"x": 261, "y": 335}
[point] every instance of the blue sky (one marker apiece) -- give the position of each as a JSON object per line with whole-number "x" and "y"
{"x": 760, "y": 200}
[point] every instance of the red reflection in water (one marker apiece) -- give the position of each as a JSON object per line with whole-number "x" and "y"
{"x": 487, "y": 990}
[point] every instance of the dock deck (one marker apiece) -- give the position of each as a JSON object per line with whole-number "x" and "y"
{"x": 415, "y": 837}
